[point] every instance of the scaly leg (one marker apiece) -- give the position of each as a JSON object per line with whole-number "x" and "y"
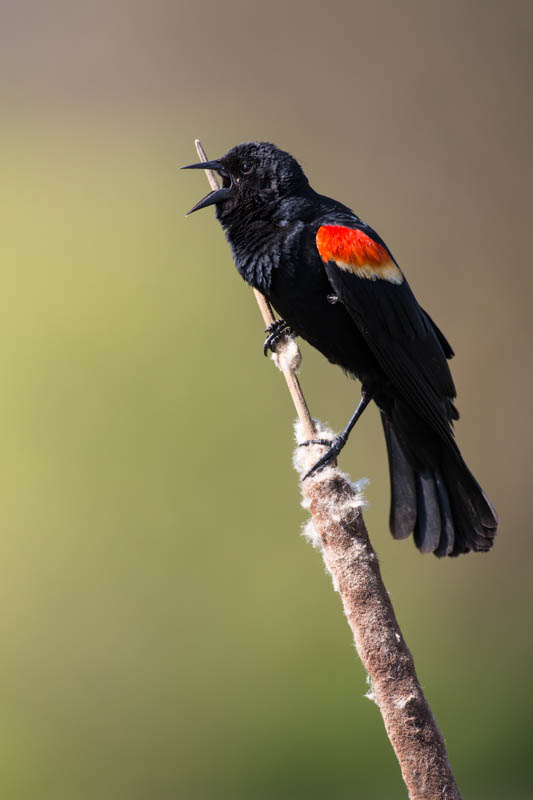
{"x": 339, "y": 441}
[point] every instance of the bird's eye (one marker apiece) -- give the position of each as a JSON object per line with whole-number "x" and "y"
{"x": 246, "y": 167}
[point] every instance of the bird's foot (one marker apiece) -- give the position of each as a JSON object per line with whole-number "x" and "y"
{"x": 335, "y": 446}
{"x": 276, "y": 331}
{"x": 309, "y": 442}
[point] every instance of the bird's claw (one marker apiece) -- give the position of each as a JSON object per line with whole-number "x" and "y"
{"x": 335, "y": 446}
{"x": 276, "y": 331}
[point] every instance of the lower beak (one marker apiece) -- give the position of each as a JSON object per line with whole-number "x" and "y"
{"x": 213, "y": 197}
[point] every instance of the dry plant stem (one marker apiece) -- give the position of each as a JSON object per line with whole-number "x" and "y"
{"x": 338, "y": 530}
{"x": 287, "y": 353}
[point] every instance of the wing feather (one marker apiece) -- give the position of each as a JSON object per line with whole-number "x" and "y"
{"x": 409, "y": 347}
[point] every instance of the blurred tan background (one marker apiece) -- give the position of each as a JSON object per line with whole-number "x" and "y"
{"x": 165, "y": 631}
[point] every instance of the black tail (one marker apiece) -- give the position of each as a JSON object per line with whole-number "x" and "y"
{"x": 445, "y": 507}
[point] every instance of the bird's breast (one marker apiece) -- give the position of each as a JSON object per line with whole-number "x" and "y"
{"x": 283, "y": 263}
{"x": 257, "y": 251}
{"x": 302, "y": 295}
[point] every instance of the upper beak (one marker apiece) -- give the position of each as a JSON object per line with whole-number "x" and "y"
{"x": 216, "y": 165}
{"x": 213, "y": 197}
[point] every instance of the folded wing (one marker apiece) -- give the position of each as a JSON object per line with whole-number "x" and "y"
{"x": 410, "y": 349}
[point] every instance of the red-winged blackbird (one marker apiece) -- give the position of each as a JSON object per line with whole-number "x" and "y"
{"x": 334, "y": 281}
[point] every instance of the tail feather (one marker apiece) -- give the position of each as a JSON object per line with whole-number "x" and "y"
{"x": 427, "y": 530}
{"x": 403, "y": 488}
{"x": 442, "y": 505}
{"x": 475, "y": 516}
{"x": 447, "y": 539}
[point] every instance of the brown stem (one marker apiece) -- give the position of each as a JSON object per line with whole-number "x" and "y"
{"x": 338, "y": 529}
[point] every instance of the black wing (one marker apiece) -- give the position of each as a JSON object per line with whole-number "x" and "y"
{"x": 403, "y": 338}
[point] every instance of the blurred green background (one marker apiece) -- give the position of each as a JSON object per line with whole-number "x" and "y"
{"x": 165, "y": 631}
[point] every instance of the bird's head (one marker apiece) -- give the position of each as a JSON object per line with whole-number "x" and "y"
{"x": 254, "y": 175}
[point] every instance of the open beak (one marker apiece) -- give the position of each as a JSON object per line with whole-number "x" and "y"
{"x": 213, "y": 197}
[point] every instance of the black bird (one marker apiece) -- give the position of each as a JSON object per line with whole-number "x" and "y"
{"x": 334, "y": 281}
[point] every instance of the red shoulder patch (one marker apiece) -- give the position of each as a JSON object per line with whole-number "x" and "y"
{"x": 354, "y": 251}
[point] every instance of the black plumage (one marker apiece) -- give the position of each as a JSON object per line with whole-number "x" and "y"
{"x": 334, "y": 281}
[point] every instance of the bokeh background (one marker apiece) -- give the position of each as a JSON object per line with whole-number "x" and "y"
{"x": 165, "y": 631}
